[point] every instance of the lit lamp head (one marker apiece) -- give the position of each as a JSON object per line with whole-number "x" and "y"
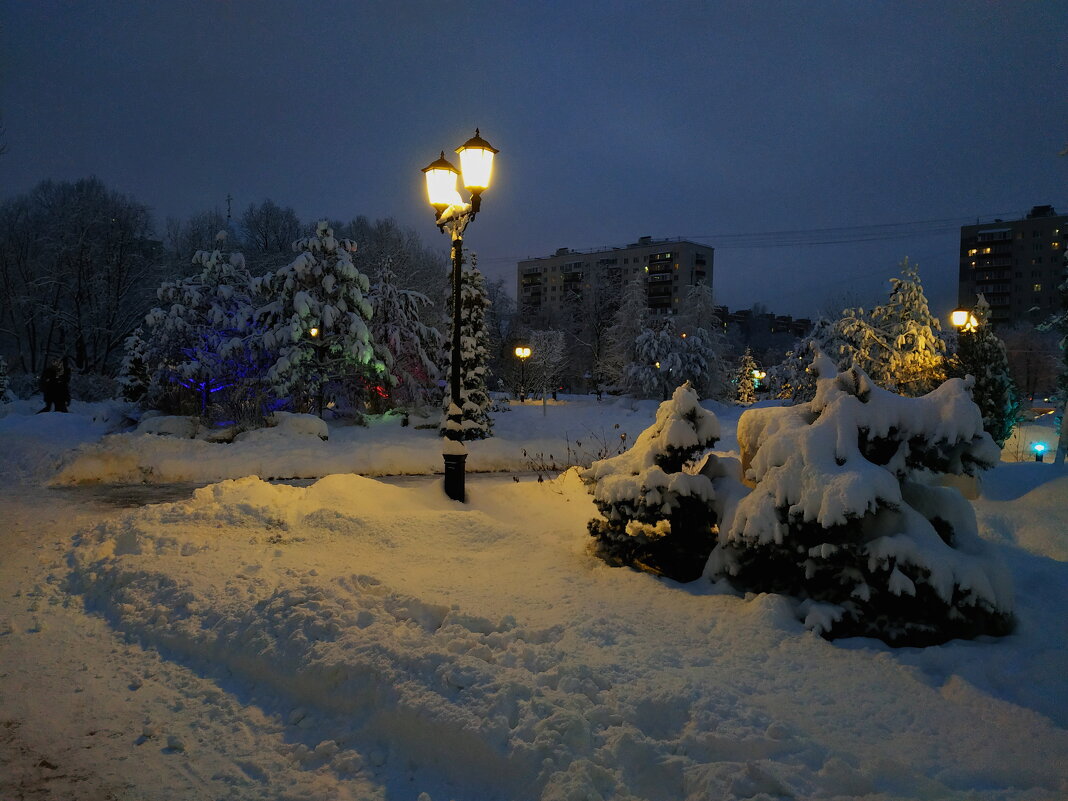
{"x": 476, "y": 164}
{"x": 963, "y": 319}
{"x": 522, "y": 352}
{"x": 441, "y": 184}
{"x": 313, "y": 332}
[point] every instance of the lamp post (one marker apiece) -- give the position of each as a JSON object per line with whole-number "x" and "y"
{"x": 452, "y": 216}
{"x": 317, "y": 347}
{"x": 522, "y": 352}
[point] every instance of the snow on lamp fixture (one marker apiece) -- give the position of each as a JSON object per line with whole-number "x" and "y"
{"x": 1040, "y": 449}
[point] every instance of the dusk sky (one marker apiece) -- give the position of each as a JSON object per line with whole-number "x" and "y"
{"x": 873, "y": 128}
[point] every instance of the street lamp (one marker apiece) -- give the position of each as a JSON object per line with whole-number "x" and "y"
{"x": 452, "y": 215}
{"x": 963, "y": 320}
{"x": 522, "y": 352}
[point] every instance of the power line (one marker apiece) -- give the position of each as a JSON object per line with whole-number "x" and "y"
{"x": 810, "y": 236}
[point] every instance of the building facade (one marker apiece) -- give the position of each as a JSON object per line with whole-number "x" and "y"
{"x": 1016, "y": 264}
{"x": 548, "y": 287}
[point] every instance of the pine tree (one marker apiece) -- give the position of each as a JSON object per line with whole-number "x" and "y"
{"x": 134, "y": 375}
{"x": 474, "y": 356}
{"x": 627, "y": 324}
{"x": 317, "y": 322}
{"x": 982, "y": 355}
{"x": 792, "y": 379}
{"x": 5, "y": 392}
{"x": 1059, "y": 323}
{"x": 658, "y": 515}
{"x": 700, "y": 322}
{"x": 898, "y": 344}
{"x": 666, "y": 358}
{"x": 844, "y": 515}
{"x": 745, "y": 389}
{"x": 406, "y": 346}
{"x": 196, "y": 342}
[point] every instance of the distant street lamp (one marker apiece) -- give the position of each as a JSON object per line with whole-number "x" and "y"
{"x": 522, "y": 352}
{"x": 452, "y": 215}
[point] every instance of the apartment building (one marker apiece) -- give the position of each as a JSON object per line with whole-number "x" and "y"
{"x": 547, "y": 287}
{"x": 1016, "y": 264}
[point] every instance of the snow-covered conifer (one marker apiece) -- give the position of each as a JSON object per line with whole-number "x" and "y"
{"x": 5, "y": 392}
{"x": 982, "y": 355}
{"x": 898, "y": 344}
{"x": 664, "y": 358}
{"x": 658, "y": 515}
{"x": 1059, "y": 323}
{"x": 792, "y": 379}
{"x": 316, "y": 322}
{"x": 196, "y": 342}
{"x": 627, "y": 324}
{"x": 699, "y": 320}
{"x": 474, "y": 356}
{"x": 745, "y": 389}
{"x": 844, "y": 515}
{"x": 406, "y": 346}
{"x": 134, "y": 374}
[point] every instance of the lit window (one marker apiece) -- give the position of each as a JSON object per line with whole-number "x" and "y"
{"x": 973, "y": 252}
{"x": 1037, "y": 288}
{"x": 987, "y": 250}
{"x": 974, "y": 263}
{"x": 1055, "y": 245}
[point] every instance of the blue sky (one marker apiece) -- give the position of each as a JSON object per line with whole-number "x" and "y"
{"x": 615, "y": 120}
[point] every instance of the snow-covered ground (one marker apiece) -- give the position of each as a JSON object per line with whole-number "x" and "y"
{"x": 361, "y": 639}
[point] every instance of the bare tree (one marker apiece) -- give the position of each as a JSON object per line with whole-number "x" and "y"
{"x": 77, "y": 267}
{"x": 269, "y": 229}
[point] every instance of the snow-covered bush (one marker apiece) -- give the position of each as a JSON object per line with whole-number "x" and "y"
{"x": 846, "y": 513}
{"x": 657, "y": 515}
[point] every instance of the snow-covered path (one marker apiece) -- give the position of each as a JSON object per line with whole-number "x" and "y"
{"x": 356, "y": 640}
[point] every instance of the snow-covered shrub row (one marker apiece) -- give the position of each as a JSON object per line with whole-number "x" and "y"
{"x": 658, "y": 515}
{"x": 846, "y": 513}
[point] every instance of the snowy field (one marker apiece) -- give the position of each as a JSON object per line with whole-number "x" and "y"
{"x": 356, "y": 638}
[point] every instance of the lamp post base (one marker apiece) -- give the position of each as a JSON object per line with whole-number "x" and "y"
{"x": 455, "y": 464}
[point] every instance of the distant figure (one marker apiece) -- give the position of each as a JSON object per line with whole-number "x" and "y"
{"x": 55, "y": 386}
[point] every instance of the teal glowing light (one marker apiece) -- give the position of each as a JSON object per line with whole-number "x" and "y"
{"x": 1039, "y": 447}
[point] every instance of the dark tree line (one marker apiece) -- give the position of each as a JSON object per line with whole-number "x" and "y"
{"x": 80, "y": 265}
